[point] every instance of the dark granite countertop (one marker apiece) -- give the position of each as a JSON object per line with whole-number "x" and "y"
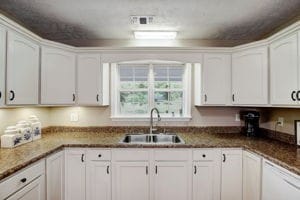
{"x": 12, "y": 160}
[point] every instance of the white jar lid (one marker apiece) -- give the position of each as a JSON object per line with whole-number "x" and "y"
{"x": 11, "y": 131}
{"x": 11, "y": 128}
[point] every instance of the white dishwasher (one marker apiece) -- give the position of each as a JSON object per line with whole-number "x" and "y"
{"x": 279, "y": 184}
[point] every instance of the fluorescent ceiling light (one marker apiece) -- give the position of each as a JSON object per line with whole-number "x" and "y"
{"x": 155, "y": 35}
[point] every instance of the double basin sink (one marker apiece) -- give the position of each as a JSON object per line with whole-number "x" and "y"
{"x": 160, "y": 138}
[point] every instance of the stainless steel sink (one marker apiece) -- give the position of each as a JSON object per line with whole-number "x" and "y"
{"x": 152, "y": 139}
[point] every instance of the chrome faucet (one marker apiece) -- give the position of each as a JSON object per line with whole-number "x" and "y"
{"x": 151, "y": 119}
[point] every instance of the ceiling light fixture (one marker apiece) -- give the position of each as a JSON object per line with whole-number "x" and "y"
{"x": 165, "y": 35}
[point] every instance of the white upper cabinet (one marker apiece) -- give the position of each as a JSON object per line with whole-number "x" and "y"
{"x": 22, "y": 74}
{"x": 216, "y": 79}
{"x": 2, "y": 64}
{"x": 57, "y": 76}
{"x": 250, "y": 77}
{"x": 232, "y": 175}
{"x": 251, "y": 176}
{"x": 89, "y": 79}
{"x": 284, "y": 70}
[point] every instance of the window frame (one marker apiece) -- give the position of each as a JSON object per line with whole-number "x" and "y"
{"x": 115, "y": 92}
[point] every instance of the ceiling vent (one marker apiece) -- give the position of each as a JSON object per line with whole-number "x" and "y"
{"x": 141, "y": 20}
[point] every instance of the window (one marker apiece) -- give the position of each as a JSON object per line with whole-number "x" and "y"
{"x": 137, "y": 88}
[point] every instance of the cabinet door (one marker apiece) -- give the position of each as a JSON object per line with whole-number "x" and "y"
{"x": 171, "y": 181}
{"x": 74, "y": 174}
{"x": 232, "y": 172}
{"x": 98, "y": 180}
{"x": 57, "y": 77}
{"x": 250, "y": 76}
{"x": 33, "y": 191}
{"x": 131, "y": 181}
{"x": 216, "y": 79}
{"x": 2, "y": 64}
{"x": 251, "y": 176}
{"x": 89, "y": 79}
{"x": 278, "y": 185}
{"x": 55, "y": 176}
{"x": 22, "y": 70}
{"x": 284, "y": 70}
{"x": 206, "y": 180}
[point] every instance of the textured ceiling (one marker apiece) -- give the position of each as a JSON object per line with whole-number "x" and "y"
{"x": 71, "y": 20}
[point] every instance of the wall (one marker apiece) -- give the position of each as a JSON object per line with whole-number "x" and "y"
{"x": 270, "y": 117}
{"x": 10, "y": 116}
{"x": 100, "y": 116}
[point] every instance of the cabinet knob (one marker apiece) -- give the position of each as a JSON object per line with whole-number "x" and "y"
{"x": 203, "y": 155}
{"x": 97, "y": 97}
{"x": 74, "y": 97}
{"x": 233, "y": 99}
{"x": 0, "y": 94}
{"x": 23, "y": 180}
{"x": 205, "y": 98}
{"x": 195, "y": 169}
{"x": 99, "y": 155}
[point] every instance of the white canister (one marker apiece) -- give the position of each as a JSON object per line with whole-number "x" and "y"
{"x": 25, "y": 130}
{"x": 11, "y": 140}
{"x": 36, "y": 127}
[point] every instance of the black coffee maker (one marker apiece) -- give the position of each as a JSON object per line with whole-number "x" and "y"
{"x": 251, "y": 118}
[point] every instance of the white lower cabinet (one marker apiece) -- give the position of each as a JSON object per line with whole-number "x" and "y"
{"x": 232, "y": 175}
{"x": 55, "y": 176}
{"x": 279, "y": 184}
{"x": 28, "y": 184}
{"x": 75, "y": 174}
{"x": 206, "y": 175}
{"x": 98, "y": 180}
{"x": 171, "y": 181}
{"x": 33, "y": 191}
{"x": 152, "y": 174}
{"x": 131, "y": 181}
{"x": 251, "y": 176}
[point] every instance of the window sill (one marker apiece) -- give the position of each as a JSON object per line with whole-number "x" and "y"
{"x": 147, "y": 119}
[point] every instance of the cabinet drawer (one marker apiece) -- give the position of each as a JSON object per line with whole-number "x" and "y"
{"x": 130, "y": 155}
{"x": 22, "y": 178}
{"x": 171, "y": 155}
{"x": 98, "y": 155}
{"x": 204, "y": 155}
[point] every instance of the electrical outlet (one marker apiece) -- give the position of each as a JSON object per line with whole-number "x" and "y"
{"x": 74, "y": 117}
{"x": 280, "y": 121}
{"x": 237, "y": 117}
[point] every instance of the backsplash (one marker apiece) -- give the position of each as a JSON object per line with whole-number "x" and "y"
{"x": 10, "y": 116}
{"x": 100, "y": 116}
{"x": 270, "y": 117}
